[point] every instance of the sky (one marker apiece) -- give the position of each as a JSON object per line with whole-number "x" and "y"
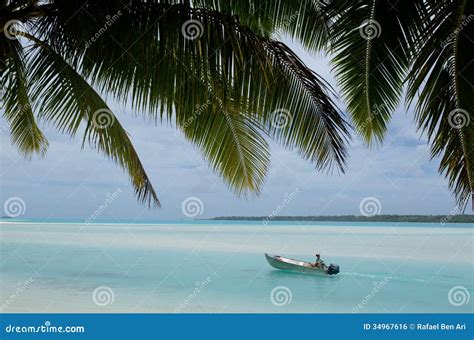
{"x": 70, "y": 183}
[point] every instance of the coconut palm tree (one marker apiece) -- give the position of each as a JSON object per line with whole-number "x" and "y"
{"x": 384, "y": 52}
{"x": 421, "y": 44}
{"x": 226, "y": 85}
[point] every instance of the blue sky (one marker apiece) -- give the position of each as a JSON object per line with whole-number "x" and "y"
{"x": 70, "y": 183}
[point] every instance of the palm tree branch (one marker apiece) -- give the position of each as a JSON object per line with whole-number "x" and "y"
{"x": 254, "y": 70}
{"x": 441, "y": 80}
{"x": 25, "y": 133}
{"x": 65, "y": 98}
{"x": 369, "y": 61}
{"x": 455, "y": 80}
{"x": 301, "y": 20}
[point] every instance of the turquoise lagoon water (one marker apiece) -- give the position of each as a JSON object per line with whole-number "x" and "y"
{"x": 220, "y": 267}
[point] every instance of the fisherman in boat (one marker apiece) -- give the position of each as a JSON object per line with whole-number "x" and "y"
{"x": 319, "y": 263}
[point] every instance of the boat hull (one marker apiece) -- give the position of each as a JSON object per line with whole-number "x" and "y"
{"x": 294, "y": 265}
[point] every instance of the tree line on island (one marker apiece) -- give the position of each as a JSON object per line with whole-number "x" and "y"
{"x": 442, "y": 219}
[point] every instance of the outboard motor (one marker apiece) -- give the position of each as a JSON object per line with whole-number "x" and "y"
{"x": 333, "y": 269}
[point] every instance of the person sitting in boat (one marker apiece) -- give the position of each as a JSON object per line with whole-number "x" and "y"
{"x": 319, "y": 263}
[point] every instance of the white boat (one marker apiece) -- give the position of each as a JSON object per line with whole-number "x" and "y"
{"x": 284, "y": 263}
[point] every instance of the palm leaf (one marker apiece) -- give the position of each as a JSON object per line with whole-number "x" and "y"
{"x": 232, "y": 143}
{"x": 303, "y": 21}
{"x": 441, "y": 80}
{"x": 25, "y": 133}
{"x": 369, "y": 60}
{"x": 64, "y": 98}
{"x": 158, "y": 71}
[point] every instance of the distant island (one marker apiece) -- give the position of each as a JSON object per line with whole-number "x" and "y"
{"x": 443, "y": 219}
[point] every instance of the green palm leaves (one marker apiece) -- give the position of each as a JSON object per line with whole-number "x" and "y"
{"x": 442, "y": 76}
{"x": 418, "y": 43}
{"x": 379, "y": 49}
{"x": 64, "y": 98}
{"x": 384, "y": 51}
{"x": 25, "y": 132}
{"x": 162, "y": 58}
{"x": 368, "y": 61}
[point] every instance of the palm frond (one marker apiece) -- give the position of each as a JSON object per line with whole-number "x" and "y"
{"x": 158, "y": 71}
{"x": 64, "y": 98}
{"x": 303, "y": 21}
{"x": 369, "y": 60}
{"x": 317, "y": 130}
{"x": 232, "y": 143}
{"x": 441, "y": 83}
{"x": 17, "y": 110}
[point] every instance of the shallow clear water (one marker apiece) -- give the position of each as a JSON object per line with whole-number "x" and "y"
{"x": 215, "y": 267}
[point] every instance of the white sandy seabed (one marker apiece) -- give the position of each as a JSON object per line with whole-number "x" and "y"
{"x": 156, "y": 268}
{"x": 420, "y": 243}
